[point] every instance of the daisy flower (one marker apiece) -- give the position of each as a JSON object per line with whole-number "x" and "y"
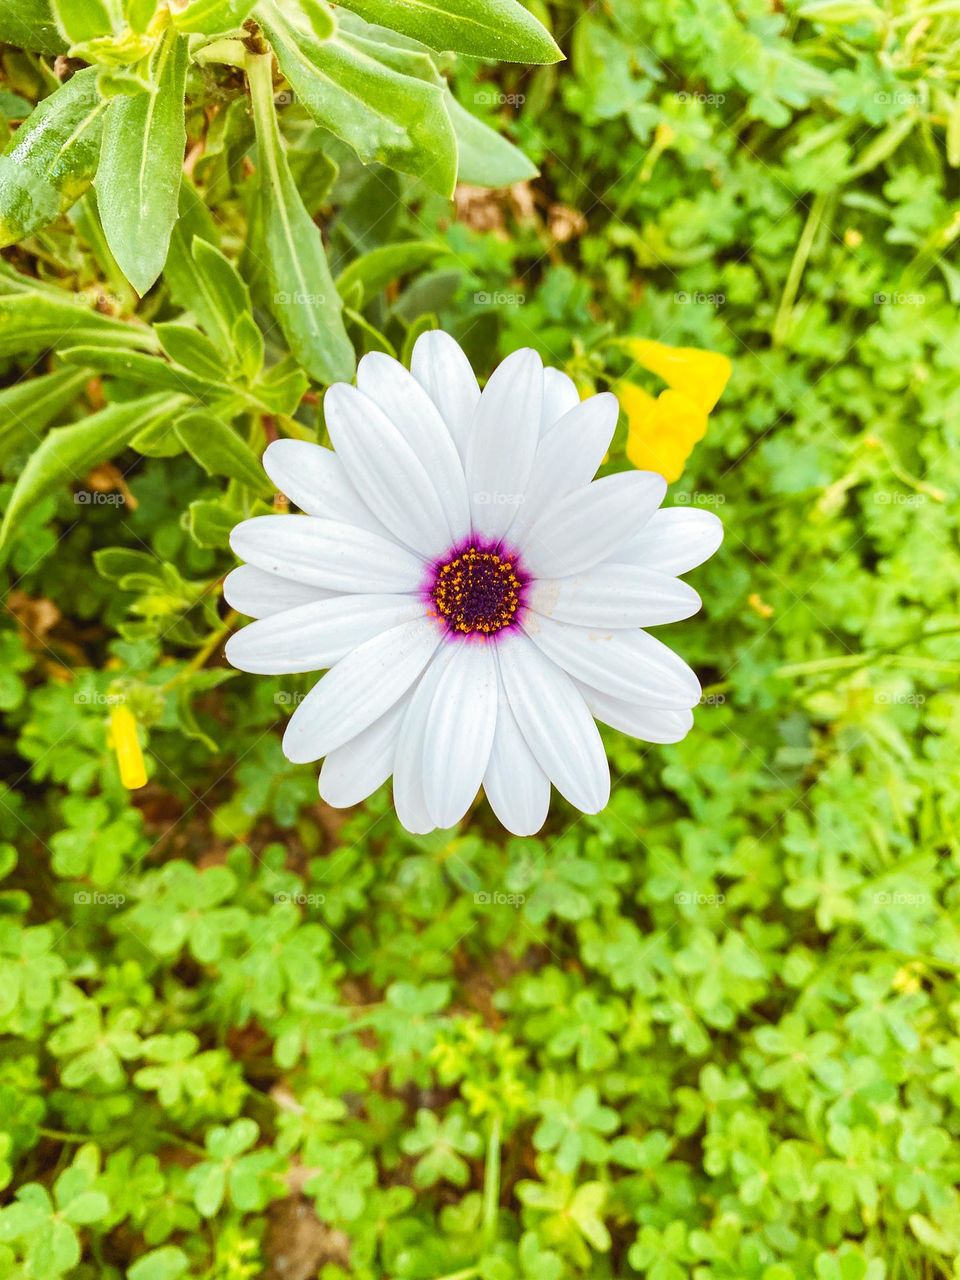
{"x": 477, "y": 599}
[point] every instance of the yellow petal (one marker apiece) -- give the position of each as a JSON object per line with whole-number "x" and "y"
{"x": 700, "y": 375}
{"x": 126, "y": 744}
{"x": 661, "y": 432}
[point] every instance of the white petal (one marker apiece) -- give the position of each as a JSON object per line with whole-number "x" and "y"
{"x": 503, "y": 442}
{"x": 567, "y": 457}
{"x": 325, "y": 553}
{"x": 314, "y": 479}
{"x": 417, "y": 418}
{"x": 651, "y": 724}
{"x": 315, "y": 636}
{"x": 560, "y": 395}
{"x": 362, "y": 765}
{"x": 516, "y": 788}
{"x": 408, "y": 780}
{"x": 628, "y": 664}
{"x": 589, "y": 524}
{"x": 459, "y": 732}
{"x": 444, "y": 372}
{"x": 614, "y": 595}
{"x": 384, "y": 468}
{"x": 358, "y": 690}
{"x": 674, "y": 540}
{"x": 556, "y": 724}
{"x": 258, "y": 594}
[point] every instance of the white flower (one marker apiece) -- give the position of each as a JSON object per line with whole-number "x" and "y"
{"x": 477, "y": 596}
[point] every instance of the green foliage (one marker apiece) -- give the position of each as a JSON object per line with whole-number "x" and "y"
{"x": 708, "y": 1033}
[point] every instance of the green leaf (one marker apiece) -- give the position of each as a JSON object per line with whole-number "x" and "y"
{"x": 67, "y": 453}
{"x": 191, "y": 349}
{"x": 81, "y": 20}
{"x": 350, "y": 84}
{"x": 501, "y": 29}
{"x": 159, "y": 1264}
{"x": 147, "y": 369}
{"x": 210, "y": 522}
{"x": 180, "y": 271}
{"x": 138, "y": 181}
{"x": 27, "y": 407}
{"x": 485, "y": 158}
{"x": 29, "y": 24}
{"x": 373, "y": 271}
{"x": 225, "y": 296}
{"x": 305, "y": 300}
{"x": 211, "y": 16}
{"x": 51, "y": 159}
{"x": 219, "y": 450}
{"x": 87, "y": 1207}
{"x": 281, "y": 388}
{"x": 34, "y": 319}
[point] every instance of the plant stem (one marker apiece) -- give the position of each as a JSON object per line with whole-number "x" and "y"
{"x": 781, "y": 324}
{"x": 491, "y": 1185}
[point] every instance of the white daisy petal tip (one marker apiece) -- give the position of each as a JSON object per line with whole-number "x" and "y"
{"x": 477, "y": 599}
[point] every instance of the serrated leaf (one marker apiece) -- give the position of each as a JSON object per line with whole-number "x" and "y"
{"x": 485, "y": 159}
{"x": 501, "y": 29}
{"x": 67, "y": 453}
{"x": 51, "y": 159}
{"x": 138, "y": 181}
{"x": 350, "y": 85}
{"x": 304, "y": 298}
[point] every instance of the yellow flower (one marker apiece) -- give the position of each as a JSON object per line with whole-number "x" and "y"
{"x": 699, "y": 375}
{"x": 661, "y": 432}
{"x": 126, "y": 744}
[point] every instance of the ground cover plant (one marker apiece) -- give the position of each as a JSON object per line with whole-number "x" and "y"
{"x": 711, "y": 1032}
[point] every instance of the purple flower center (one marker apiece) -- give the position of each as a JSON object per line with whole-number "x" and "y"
{"x": 477, "y": 590}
